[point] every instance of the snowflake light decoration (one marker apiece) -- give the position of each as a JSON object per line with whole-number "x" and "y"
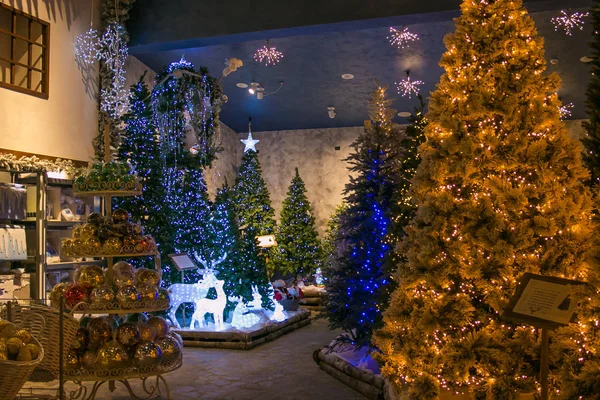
{"x": 87, "y": 47}
{"x": 565, "y": 111}
{"x": 407, "y": 87}
{"x": 268, "y": 55}
{"x": 114, "y": 52}
{"x": 403, "y": 38}
{"x": 569, "y": 22}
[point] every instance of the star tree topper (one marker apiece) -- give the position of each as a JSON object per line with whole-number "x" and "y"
{"x": 249, "y": 142}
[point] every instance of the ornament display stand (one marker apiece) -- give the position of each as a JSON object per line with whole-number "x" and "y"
{"x": 151, "y": 377}
{"x": 244, "y": 339}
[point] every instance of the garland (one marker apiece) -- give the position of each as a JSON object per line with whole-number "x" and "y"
{"x": 33, "y": 164}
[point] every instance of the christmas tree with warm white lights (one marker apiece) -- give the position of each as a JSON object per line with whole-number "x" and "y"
{"x": 499, "y": 192}
{"x": 298, "y": 249}
{"x": 358, "y": 274}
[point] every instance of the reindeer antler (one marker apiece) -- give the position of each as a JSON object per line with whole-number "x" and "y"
{"x": 220, "y": 260}
{"x": 201, "y": 260}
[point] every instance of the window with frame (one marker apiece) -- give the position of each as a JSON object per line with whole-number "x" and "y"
{"x": 24, "y": 52}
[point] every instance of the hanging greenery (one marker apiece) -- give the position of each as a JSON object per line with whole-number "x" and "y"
{"x": 186, "y": 97}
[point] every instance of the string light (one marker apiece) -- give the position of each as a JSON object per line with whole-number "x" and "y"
{"x": 268, "y": 55}
{"x": 87, "y": 47}
{"x": 407, "y": 87}
{"x": 569, "y": 22}
{"x": 565, "y": 110}
{"x": 403, "y": 38}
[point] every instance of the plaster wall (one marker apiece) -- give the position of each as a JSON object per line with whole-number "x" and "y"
{"x": 65, "y": 124}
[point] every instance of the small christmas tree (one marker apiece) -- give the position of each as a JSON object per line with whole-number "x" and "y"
{"x": 298, "y": 249}
{"x": 591, "y": 141}
{"x": 499, "y": 193}
{"x": 358, "y": 277}
{"x": 255, "y": 267}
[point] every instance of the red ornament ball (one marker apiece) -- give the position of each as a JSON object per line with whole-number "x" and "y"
{"x": 76, "y": 294}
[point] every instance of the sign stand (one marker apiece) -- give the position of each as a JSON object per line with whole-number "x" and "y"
{"x": 544, "y": 302}
{"x": 182, "y": 263}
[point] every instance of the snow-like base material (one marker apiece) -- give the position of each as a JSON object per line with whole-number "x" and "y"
{"x": 361, "y": 358}
{"x": 265, "y": 320}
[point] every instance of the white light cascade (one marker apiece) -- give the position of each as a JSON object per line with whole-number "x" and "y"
{"x": 268, "y": 55}
{"x": 402, "y": 38}
{"x": 569, "y": 22}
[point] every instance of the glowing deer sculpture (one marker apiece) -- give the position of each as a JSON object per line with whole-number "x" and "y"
{"x": 181, "y": 293}
{"x": 210, "y": 306}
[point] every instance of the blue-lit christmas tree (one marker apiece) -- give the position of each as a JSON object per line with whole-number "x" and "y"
{"x": 298, "y": 250}
{"x": 358, "y": 278}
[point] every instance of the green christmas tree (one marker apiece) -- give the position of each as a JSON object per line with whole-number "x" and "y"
{"x": 331, "y": 233}
{"x": 499, "y": 193}
{"x": 298, "y": 249}
{"x": 358, "y": 276}
{"x": 591, "y": 141}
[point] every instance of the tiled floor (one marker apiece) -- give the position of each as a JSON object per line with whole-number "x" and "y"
{"x": 282, "y": 369}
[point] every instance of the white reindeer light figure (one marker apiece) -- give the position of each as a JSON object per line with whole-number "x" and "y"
{"x": 256, "y": 303}
{"x": 210, "y": 306}
{"x": 191, "y": 292}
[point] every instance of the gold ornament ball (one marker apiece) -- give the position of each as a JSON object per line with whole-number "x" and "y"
{"x": 112, "y": 246}
{"x": 120, "y": 216}
{"x": 163, "y": 295}
{"x": 88, "y": 231}
{"x": 159, "y": 325}
{"x": 123, "y": 280}
{"x": 67, "y": 247}
{"x": 81, "y": 339}
{"x": 127, "y": 295}
{"x": 88, "y": 359}
{"x": 99, "y": 332}
{"x": 102, "y": 295}
{"x": 145, "y": 276}
{"x": 78, "y": 247}
{"x": 147, "y": 354}
{"x": 128, "y": 334}
{"x": 148, "y": 293}
{"x": 72, "y": 360}
{"x": 58, "y": 291}
{"x": 147, "y": 333}
{"x": 76, "y": 232}
{"x": 112, "y": 356}
{"x": 92, "y": 245}
{"x": 90, "y": 276}
{"x": 170, "y": 349}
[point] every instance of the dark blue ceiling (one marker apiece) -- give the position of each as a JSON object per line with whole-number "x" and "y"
{"x": 313, "y": 65}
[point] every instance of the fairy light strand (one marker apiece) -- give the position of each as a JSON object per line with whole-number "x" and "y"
{"x": 407, "y": 87}
{"x": 401, "y": 38}
{"x": 565, "y": 111}
{"x": 569, "y": 22}
{"x": 268, "y": 55}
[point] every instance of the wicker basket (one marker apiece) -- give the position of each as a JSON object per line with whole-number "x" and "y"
{"x": 14, "y": 374}
{"x": 48, "y": 369}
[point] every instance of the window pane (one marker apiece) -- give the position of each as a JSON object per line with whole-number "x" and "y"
{"x": 22, "y": 26}
{"x": 4, "y": 45}
{"x": 37, "y": 57}
{"x": 5, "y": 19}
{"x": 20, "y": 51}
{"x": 20, "y": 76}
{"x": 36, "y": 81}
{"x": 36, "y": 32}
{"x": 4, "y": 71}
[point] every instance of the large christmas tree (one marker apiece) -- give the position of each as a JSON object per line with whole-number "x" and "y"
{"x": 499, "y": 193}
{"x": 358, "y": 277}
{"x": 591, "y": 141}
{"x": 298, "y": 246}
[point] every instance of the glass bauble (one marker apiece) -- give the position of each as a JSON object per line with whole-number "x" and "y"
{"x": 163, "y": 295}
{"x": 148, "y": 292}
{"x": 128, "y": 334}
{"x": 81, "y": 340}
{"x": 127, "y": 296}
{"x": 124, "y": 268}
{"x": 145, "y": 276}
{"x": 112, "y": 356}
{"x": 147, "y": 354}
{"x": 120, "y": 216}
{"x": 160, "y": 326}
{"x": 88, "y": 359}
{"x": 78, "y": 247}
{"x": 67, "y": 247}
{"x": 102, "y": 295}
{"x": 95, "y": 218}
{"x": 76, "y": 232}
{"x": 99, "y": 332}
{"x": 90, "y": 275}
{"x": 147, "y": 333}
{"x": 112, "y": 246}
{"x": 125, "y": 169}
{"x": 87, "y": 231}
{"x": 72, "y": 360}
{"x": 76, "y": 294}
{"x": 170, "y": 349}
{"x": 111, "y": 169}
{"x": 92, "y": 245}
{"x": 93, "y": 177}
{"x": 130, "y": 240}
{"x": 123, "y": 280}
{"x": 58, "y": 291}
{"x": 97, "y": 167}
